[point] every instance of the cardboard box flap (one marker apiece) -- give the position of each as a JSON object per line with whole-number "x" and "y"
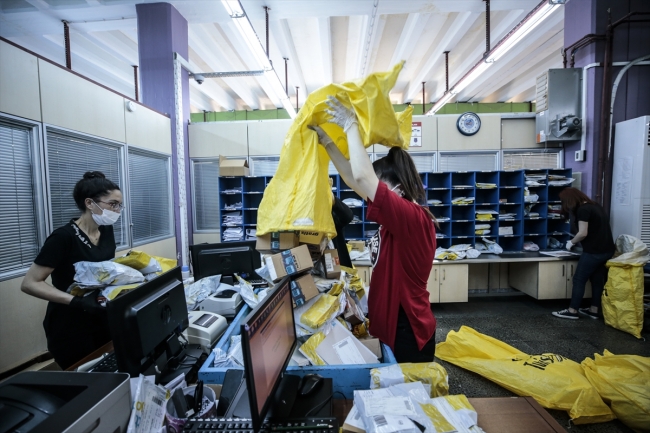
{"x": 224, "y": 162}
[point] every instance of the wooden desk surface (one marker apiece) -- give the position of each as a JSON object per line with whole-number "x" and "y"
{"x": 106, "y": 348}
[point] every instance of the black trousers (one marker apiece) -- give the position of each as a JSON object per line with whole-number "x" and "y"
{"x": 406, "y": 346}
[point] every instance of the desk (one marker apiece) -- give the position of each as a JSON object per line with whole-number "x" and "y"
{"x": 106, "y": 348}
{"x": 535, "y": 274}
{"x": 495, "y": 415}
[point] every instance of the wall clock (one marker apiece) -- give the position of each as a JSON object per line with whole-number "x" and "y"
{"x": 468, "y": 123}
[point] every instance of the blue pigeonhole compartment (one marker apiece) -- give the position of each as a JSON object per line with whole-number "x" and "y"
{"x": 346, "y": 377}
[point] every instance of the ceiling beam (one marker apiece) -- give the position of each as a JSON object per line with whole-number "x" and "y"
{"x": 375, "y": 43}
{"x": 295, "y": 69}
{"x": 202, "y": 38}
{"x": 357, "y": 28}
{"x": 447, "y": 43}
{"x": 325, "y": 33}
{"x": 110, "y": 43}
{"x": 211, "y": 88}
{"x": 407, "y": 39}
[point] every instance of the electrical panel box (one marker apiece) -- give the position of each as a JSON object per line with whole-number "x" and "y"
{"x": 558, "y": 105}
{"x": 630, "y": 205}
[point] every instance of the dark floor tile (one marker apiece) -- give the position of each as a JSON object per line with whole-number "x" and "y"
{"x": 533, "y": 333}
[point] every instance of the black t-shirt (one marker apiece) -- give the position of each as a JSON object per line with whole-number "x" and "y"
{"x": 71, "y": 333}
{"x": 342, "y": 216}
{"x": 599, "y": 238}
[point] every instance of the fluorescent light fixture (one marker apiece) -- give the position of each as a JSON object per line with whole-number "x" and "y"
{"x": 529, "y": 23}
{"x": 536, "y": 17}
{"x": 245, "y": 29}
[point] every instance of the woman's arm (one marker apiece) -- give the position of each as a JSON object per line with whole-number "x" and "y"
{"x": 583, "y": 230}
{"x": 34, "y": 284}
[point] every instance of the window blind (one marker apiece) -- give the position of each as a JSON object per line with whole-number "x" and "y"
{"x": 467, "y": 161}
{"x": 69, "y": 157}
{"x": 424, "y": 161}
{"x": 206, "y": 195}
{"x": 149, "y": 198}
{"x": 531, "y": 160}
{"x": 264, "y": 165}
{"x": 18, "y": 231}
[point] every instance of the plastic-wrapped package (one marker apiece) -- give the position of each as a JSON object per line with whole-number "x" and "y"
{"x": 234, "y": 358}
{"x": 430, "y": 373}
{"x": 492, "y": 246}
{"x": 325, "y": 308}
{"x": 264, "y": 273}
{"x": 195, "y": 293}
{"x": 135, "y": 259}
{"x": 531, "y": 246}
{"x": 165, "y": 263}
{"x": 148, "y": 412}
{"x": 452, "y": 414}
{"x": 394, "y": 409}
{"x": 309, "y": 348}
{"x": 247, "y": 293}
{"x": 107, "y": 273}
{"x": 112, "y": 292}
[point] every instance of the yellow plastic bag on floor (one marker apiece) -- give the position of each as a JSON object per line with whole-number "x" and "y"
{"x": 299, "y": 196}
{"x": 622, "y": 300}
{"x": 554, "y": 381}
{"x": 623, "y": 381}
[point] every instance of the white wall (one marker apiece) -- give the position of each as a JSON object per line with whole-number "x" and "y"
{"x": 28, "y": 83}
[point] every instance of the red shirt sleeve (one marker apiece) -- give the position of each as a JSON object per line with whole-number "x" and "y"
{"x": 391, "y": 211}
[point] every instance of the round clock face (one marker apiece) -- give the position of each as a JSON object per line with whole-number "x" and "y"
{"x": 468, "y": 123}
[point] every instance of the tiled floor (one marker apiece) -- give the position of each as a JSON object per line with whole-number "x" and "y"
{"x": 528, "y": 325}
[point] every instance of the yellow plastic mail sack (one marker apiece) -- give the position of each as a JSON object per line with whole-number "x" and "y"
{"x": 623, "y": 382}
{"x": 166, "y": 264}
{"x": 554, "y": 381}
{"x": 299, "y": 196}
{"x": 622, "y": 299}
{"x": 320, "y": 312}
{"x": 134, "y": 259}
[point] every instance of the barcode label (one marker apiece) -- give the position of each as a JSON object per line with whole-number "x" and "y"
{"x": 329, "y": 265}
{"x": 380, "y": 421}
{"x": 343, "y": 343}
{"x": 157, "y": 401}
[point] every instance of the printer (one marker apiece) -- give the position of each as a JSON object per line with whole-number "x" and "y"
{"x": 58, "y": 401}
{"x": 205, "y": 329}
{"x": 225, "y": 302}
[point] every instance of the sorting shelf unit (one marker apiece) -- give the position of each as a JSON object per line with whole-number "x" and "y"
{"x": 462, "y": 202}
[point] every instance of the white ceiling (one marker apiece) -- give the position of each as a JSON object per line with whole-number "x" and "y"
{"x": 325, "y": 41}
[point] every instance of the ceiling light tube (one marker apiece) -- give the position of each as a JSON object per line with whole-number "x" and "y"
{"x": 438, "y": 105}
{"x": 527, "y": 25}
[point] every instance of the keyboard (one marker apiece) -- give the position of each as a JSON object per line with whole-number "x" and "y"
{"x": 107, "y": 365}
{"x": 241, "y": 425}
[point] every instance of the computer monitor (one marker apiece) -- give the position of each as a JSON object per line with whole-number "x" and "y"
{"x": 268, "y": 341}
{"x": 145, "y": 324}
{"x": 225, "y": 258}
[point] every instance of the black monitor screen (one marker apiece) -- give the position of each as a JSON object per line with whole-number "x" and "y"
{"x": 226, "y": 258}
{"x": 268, "y": 341}
{"x": 142, "y": 320}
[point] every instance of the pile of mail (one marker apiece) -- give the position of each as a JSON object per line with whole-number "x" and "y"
{"x": 558, "y": 180}
{"x": 462, "y": 200}
{"x": 486, "y": 214}
{"x": 535, "y": 180}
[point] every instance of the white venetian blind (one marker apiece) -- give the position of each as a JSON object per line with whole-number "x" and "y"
{"x": 18, "y": 233}
{"x": 425, "y": 162}
{"x": 467, "y": 161}
{"x": 531, "y": 160}
{"x": 264, "y": 165}
{"x": 206, "y": 194}
{"x": 69, "y": 157}
{"x": 150, "y": 197}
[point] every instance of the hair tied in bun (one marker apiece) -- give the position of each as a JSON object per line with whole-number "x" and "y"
{"x": 94, "y": 175}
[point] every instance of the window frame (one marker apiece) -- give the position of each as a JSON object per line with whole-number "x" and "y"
{"x": 558, "y": 151}
{"x": 154, "y": 154}
{"x": 124, "y": 185}
{"x": 38, "y": 184}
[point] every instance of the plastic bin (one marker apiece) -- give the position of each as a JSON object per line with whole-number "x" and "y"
{"x": 346, "y": 377}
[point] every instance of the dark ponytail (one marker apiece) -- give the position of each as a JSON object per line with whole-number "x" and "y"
{"x": 398, "y": 168}
{"x": 93, "y": 185}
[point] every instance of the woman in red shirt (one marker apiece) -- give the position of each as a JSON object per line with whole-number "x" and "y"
{"x": 403, "y": 249}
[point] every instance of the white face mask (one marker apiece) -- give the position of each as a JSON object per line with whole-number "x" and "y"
{"x": 106, "y": 218}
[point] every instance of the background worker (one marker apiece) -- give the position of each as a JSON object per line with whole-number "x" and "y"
{"x": 598, "y": 246}
{"x": 403, "y": 249}
{"x": 76, "y": 326}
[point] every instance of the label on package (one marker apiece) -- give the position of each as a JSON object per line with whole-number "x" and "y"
{"x": 329, "y": 263}
{"x": 395, "y": 405}
{"x": 296, "y": 293}
{"x": 348, "y": 352}
{"x": 289, "y": 262}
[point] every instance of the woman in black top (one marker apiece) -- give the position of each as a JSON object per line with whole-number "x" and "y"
{"x": 76, "y": 326}
{"x": 597, "y": 247}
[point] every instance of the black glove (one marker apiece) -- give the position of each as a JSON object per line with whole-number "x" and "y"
{"x": 88, "y": 304}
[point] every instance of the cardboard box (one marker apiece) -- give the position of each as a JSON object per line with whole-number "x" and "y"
{"x": 289, "y": 262}
{"x": 233, "y": 167}
{"x": 514, "y": 415}
{"x": 353, "y": 422}
{"x": 316, "y": 243}
{"x": 303, "y": 289}
{"x": 276, "y": 242}
{"x": 373, "y": 344}
{"x": 357, "y": 245}
{"x": 351, "y": 315}
{"x": 331, "y": 264}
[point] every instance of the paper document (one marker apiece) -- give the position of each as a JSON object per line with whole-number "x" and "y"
{"x": 348, "y": 352}
{"x": 394, "y": 405}
{"x": 558, "y": 253}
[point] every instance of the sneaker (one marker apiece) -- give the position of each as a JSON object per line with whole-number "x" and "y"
{"x": 587, "y": 312}
{"x": 565, "y": 314}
